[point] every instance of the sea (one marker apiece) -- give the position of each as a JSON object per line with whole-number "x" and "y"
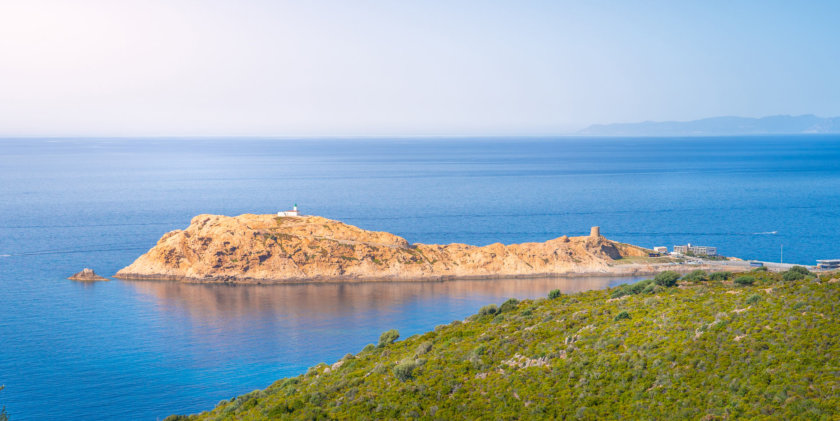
{"x": 142, "y": 350}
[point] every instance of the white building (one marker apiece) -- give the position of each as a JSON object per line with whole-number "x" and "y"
{"x": 696, "y": 250}
{"x": 293, "y": 212}
{"x": 660, "y": 249}
{"x": 828, "y": 264}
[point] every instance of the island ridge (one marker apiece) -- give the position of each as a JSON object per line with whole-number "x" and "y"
{"x": 270, "y": 249}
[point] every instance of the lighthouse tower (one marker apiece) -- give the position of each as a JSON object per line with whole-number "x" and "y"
{"x": 293, "y": 212}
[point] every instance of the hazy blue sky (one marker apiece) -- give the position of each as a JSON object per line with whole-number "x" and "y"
{"x": 295, "y": 68}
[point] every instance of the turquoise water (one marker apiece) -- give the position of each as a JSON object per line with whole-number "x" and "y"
{"x": 141, "y": 350}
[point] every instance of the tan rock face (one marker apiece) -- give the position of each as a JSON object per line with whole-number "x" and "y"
{"x": 269, "y": 249}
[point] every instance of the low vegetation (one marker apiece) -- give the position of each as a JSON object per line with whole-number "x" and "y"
{"x": 745, "y": 280}
{"x": 701, "y": 347}
{"x": 666, "y": 279}
{"x": 3, "y": 415}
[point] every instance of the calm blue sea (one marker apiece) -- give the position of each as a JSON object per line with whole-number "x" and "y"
{"x": 143, "y": 350}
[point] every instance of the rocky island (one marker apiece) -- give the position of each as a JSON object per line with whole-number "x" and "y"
{"x": 87, "y": 275}
{"x": 273, "y": 249}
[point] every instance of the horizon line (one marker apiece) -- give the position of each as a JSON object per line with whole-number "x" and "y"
{"x": 398, "y": 136}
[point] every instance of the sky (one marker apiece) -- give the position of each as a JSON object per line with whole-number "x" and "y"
{"x": 400, "y": 68}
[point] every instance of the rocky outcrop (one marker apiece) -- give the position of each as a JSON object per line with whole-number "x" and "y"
{"x": 87, "y": 275}
{"x": 269, "y": 249}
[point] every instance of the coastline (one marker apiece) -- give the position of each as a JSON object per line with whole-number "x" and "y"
{"x": 627, "y": 271}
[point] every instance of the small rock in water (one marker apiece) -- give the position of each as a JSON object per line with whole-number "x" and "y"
{"x": 87, "y": 275}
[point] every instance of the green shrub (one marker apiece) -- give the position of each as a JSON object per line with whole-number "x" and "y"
{"x": 423, "y": 348}
{"x": 388, "y": 337}
{"x": 752, "y": 299}
{"x": 633, "y": 289}
{"x": 368, "y": 348}
{"x": 554, "y": 293}
{"x": 719, "y": 276}
{"x": 621, "y": 316}
{"x": 800, "y": 269}
{"x": 792, "y": 276}
{"x": 620, "y": 292}
{"x": 796, "y": 273}
{"x": 760, "y": 269}
{"x": 640, "y": 286}
{"x": 315, "y": 369}
{"x": 488, "y": 310}
{"x": 405, "y": 369}
{"x": 698, "y": 275}
{"x": 509, "y": 305}
{"x": 666, "y": 279}
{"x": 745, "y": 280}
{"x": 475, "y": 359}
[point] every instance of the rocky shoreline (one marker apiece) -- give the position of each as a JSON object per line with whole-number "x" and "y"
{"x": 625, "y": 271}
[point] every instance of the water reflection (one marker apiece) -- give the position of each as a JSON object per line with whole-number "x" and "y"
{"x": 328, "y": 300}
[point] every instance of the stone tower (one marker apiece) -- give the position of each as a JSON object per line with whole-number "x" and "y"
{"x": 595, "y": 232}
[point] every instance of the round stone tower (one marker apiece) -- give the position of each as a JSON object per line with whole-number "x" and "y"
{"x": 595, "y": 232}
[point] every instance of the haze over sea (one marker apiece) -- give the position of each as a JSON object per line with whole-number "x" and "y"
{"x": 140, "y": 350}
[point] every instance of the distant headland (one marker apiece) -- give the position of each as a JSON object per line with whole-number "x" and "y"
{"x": 721, "y": 126}
{"x": 292, "y": 248}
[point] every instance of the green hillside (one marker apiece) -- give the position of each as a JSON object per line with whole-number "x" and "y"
{"x": 713, "y": 346}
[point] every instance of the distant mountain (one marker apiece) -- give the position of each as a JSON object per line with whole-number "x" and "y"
{"x": 720, "y": 126}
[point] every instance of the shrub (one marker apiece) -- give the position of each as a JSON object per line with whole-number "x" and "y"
{"x": 698, "y": 275}
{"x": 423, "y": 348}
{"x": 800, "y": 269}
{"x": 405, "y": 369}
{"x": 760, "y": 269}
{"x": 619, "y": 292}
{"x": 792, "y": 276}
{"x": 745, "y": 280}
{"x": 314, "y": 370}
{"x": 488, "y": 310}
{"x": 388, "y": 337}
{"x": 666, "y": 279}
{"x": 554, "y": 293}
{"x": 719, "y": 276}
{"x": 752, "y": 299}
{"x": 632, "y": 289}
{"x": 621, "y": 316}
{"x": 368, "y": 348}
{"x": 796, "y": 273}
{"x": 475, "y": 359}
{"x": 509, "y": 305}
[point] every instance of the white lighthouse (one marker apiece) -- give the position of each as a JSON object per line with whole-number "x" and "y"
{"x": 293, "y": 212}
